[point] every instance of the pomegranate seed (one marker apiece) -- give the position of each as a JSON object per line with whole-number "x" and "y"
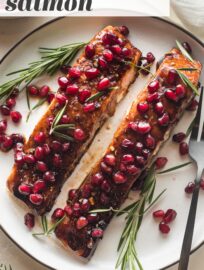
{"x": 140, "y": 161}
{"x": 72, "y": 194}
{"x": 183, "y": 148}
{"x": 58, "y": 214}
{"x": 15, "y": 93}
{"x": 169, "y": 216}
{"x": 119, "y": 178}
{"x": 29, "y": 220}
{"x": 153, "y": 86}
{"x": 50, "y": 120}
{"x": 74, "y": 72}
{"x": 44, "y": 90}
{"x": 116, "y": 49}
{"x": 29, "y": 159}
{"x": 121, "y": 42}
{"x": 7, "y": 143}
{"x": 65, "y": 147}
{"x": 102, "y": 63}
{"x": 2, "y": 137}
{"x": 5, "y": 110}
{"x": 63, "y": 82}
{"x": 149, "y": 141}
{"x": 90, "y": 50}
{"x": 158, "y": 214}
{"x": 105, "y": 186}
{"x": 86, "y": 191}
{"x": 145, "y": 71}
{"x": 109, "y": 39}
{"x": 127, "y": 159}
{"x": 97, "y": 233}
{"x": 153, "y": 97}
{"x": 15, "y": 116}
{"x": 187, "y": 47}
{"x": 46, "y": 149}
{"x": 41, "y": 166}
{"x": 25, "y": 189}
{"x": 39, "y": 186}
{"x": 164, "y": 120}
{"x": 172, "y": 77}
{"x": 18, "y": 157}
{"x": 85, "y": 205}
{"x": 72, "y": 89}
{"x": 11, "y": 102}
{"x": 123, "y": 167}
{"x": 50, "y": 97}
{"x": 104, "y": 199}
{"x": 143, "y": 107}
{"x": 92, "y": 218}
{"x": 3, "y": 126}
{"x": 92, "y": 73}
{"x": 65, "y": 69}
{"x": 40, "y": 137}
{"x": 103, "y": 84}
{"x": 17, "y": 138}
{"x": 126, "y": 143}
{"x": 150, "y": 57}
{"x": 83, "y": 95}
{"x": 90, "y": 107}
{"x": 164, "y": 228}
{"x": 202, "y": 184}
{"x": 180, "y": 91}
{"x": 142, "y": 127}
{"x": 193, "y": 106}
{"x": 126, "y": 52}
{"x": 133, "y": 170}
{"x": 97, "y": 179}
{"x": 57, "y": 160}
{"x": 33, "y": 90}
{"x": 124, "y": 30}
{"x": 36, "y": 199}
{"x": 159, "y": 108}
{"x": 61, "y": 99}
{"x": 65, "y": 119}
{"x": 76, "y": 210}
{"x": 105, "y": 168}
{"x": 139, "y": 147}
{"x": 68, "y": 210}
{"x": 49, "y": 176}
{"x": 79, "y": 134}
{"x": 110, "y": 160}
{"x": 179, "y": 137}
{"x": 108, "y": 55}
{"x": 161, "y": 162}
{"x": 56, "y": 146}
{"x": 171, "y": 95}
{"x": 190, "y": 188}
{"x": 39, "y": 153}
{"x": 81, "y": 223}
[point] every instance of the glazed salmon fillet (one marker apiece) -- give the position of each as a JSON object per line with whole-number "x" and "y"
{"x": 148, "y": 123}
{"x": 98, "y": 80}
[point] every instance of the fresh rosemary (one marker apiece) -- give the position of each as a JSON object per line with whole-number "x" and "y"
{"x": 100, "y": 94}
{"x": 183, "y": 51}
{"x": 5, "y": 267}
{"x": 56, "y": 127}
{"x": 50, "y": 62}
{"x": 46, "y": 230}
{"x": 38, "y": 104}
{"x": 187, "y": 82}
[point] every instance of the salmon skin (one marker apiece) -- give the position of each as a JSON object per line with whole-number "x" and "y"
{"x": 98, "y": 80}
{"x": 148, "y": 123}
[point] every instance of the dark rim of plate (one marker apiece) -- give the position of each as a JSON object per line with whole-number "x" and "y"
{"x": 27, "y": 36}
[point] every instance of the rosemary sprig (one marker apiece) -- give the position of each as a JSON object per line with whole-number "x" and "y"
{"x": 183, "y": 51}
{"x": 175, "y": 168}
{"x": 38, "y": 104}
{"x": 50, "y": 62}
{"x": 100, "y": 94}
{"x": 5, "y": 267}
{"x": 46, "y": 230}
{"x": 188, "y": 132}
{"x": 187, "y": 82}
{"x": 187, "y": 69}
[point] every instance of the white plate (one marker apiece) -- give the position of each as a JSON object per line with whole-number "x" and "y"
{"x": 154, "y": 250}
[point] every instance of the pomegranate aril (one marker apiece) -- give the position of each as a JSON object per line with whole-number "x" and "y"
{"x": 58, "y": 214}
{"x": 149, "y": 141}
{"x": 65, "y": 119}
{"x": 63, "y": 82}
{"x": 126, "y": 143}
{"x": 15, "y": 116}
{"x": 76, "y": 210}
{"x": 81, "y": 223}
{"x": 50, "y": 97}
{"x": 139, "y": 147}
{"x": 97, "y": 233}
{"x": 158, "y": 214}
{"x": 18, "y": 147}
{"x": 49, "y": 176}
{"x": 140, "y": 160}
{"x": 92, "y": 73}
{"x": 187, "y": 47}
{"x": 65, "y": 69}
{"x": 57, "y": 160}
{"x": 104, "y": 199}
{"x": 109, "y": 39}
{"x": 150, "y": 57}
{"x": 142, "y": 127}
{"x": 143, "y": 107}
{"x": 36, "y": 199}
{"x": 40, "y": 137}
{"x": 153, "y": 86}
{"x": 41, "y": 166}
{"x": 172, "y": 77}
{"x": 39, "y": 186}
{"x": 29, "y": 220}
{"x": 164, "y": 228}
{"x": 89, "y": 50}
{"x": 180, "y": 91}
{"x": 105, "y": 186}
{"x": 14, "y": 94}
{"x": 126, "y": 52}
{"x": 145, "y": 68}
{"x": 83, "y": 95}
{"x": 11, "y": 102}
{"x": 29, "y": 159}
{"x": 164, "y": 120}
{"x": 193, "y": 106}
{"x": 72, "y": 89}
{"x": 179, "y": 137}
{"x": 97, "y": 179}
{"x": 61, "y": 99}
{"x": 46, "y": 149}
{"x": 103, "y": 84}
{"x": 5, "y": 110}
{"x": 18, "y": 157}
{"x": 160, "y": 162}
{"x": 17, "y": 138}
{"x": 105, "y": 168}
{"x": 102, "y": 63}
{"x": 68, "y": 210}
{"x": 108, "y": 55}
{"x": 85, "y": 205}
{"x": 127, "y": 159}
{"x": 116, "y": 49}
{"x": 119, "y": 178}
{"x": 92, "y": 218}
{"x": 89, "y": 107}
{"x": 124, "y": 30}
{"x": 79, "y": 134}
{"x": 153, "y": 97}
{"x": 65, "y": 147}
{"x": 183, "y": 148}
{"x": 7, "y": 143}
{"x": 190, "y": 188}
{"x": 44, "y": 90}
{"x": 33, "y": 90}
{"x": 110, "y": 160}
{"x": 39, "y": 153}
{"x": 169, "y": 216}
{"x": 74, "y": 72}
{"x": 133, "y": 170}
{"x": 56, "y": 146}
{"x": 3, "y": 126}
{"x": 159, "y": 108}
{"x": 25, "y": 189}
{"x": 171, "y": 95}
{"x": 72, "y": 194}
{"x": 86, "y": 191}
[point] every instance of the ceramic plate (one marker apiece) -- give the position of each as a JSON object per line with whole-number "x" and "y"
{"x": 154, "y": 250}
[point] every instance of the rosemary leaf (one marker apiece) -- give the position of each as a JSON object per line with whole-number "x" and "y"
{"x": 154, "y": 201}
{"x": 63, "y": 136}
{"x": 188, "y": 132}
{"x": 187, "y": 69}
{"x": 96, "y": 96}
{"x": 55, "y": 225}
{"x": 38, "y": 104}
{"x": 64, "y": 126}
{"x": 183, "y": 51}
{"x": 175, "y": 168}
{"x": 187, "y": 82}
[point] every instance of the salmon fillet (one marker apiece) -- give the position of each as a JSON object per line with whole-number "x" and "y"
{"x": 48, "y": 157}
{"x": 148, "y": 123}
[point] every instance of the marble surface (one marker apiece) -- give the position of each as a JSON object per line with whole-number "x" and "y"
{"x": 11, "y": 30}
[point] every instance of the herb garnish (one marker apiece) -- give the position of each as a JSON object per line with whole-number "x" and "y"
{"x": 187, "y": 82}
{"x": 183, "y": 51}
{"x": 38, "y": 104}
{"x": 100, "y": 94}
{"x": 5, "y": 267}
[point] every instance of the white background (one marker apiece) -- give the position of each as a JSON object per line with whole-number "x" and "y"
{"x": 10, "y": 32}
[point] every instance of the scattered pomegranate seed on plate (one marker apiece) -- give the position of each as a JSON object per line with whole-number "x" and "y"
{"x": 190, "y": 188}
{"x": 158, "y": 214}
{"x": 29, "y": 220}
{"x": 164, "y": 228}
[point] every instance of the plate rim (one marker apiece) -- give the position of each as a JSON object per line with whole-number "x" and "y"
{"x": 30, "y": 34}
